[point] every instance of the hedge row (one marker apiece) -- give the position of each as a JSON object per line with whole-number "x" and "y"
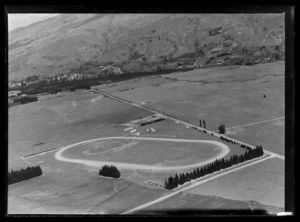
{"x": 173, "y": 182}
{"x": 16, "y": 176}
{"x": 154, "y": 121}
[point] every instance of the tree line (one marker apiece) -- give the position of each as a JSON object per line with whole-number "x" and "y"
{"x": 44, "y": 87}
{"x": 153, "y": 121}
{"x": 25, "y": 99}
{"x": 16, "y": 176}
{"x": 109, "y": 171}
{"x": 234, "y": 142}
{"x": 173, "y": 182}
{"x": 202, "y": 122}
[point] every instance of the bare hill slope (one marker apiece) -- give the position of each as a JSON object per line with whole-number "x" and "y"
{"x": 69, "y": 41}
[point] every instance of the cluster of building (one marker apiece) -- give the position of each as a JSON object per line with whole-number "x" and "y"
{"x": 12, "y": 85}
{"x": 17, "y": 96}
{"x": 13, "y": 94}
{"x": 133, "y": 125}
{"x": 109, "y": 69}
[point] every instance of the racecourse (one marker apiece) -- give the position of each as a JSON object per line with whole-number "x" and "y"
{"x": 224, "y": 151}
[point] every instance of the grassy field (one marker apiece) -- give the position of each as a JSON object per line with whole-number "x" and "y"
{"x": 220, "y": 95}
{"x": 160, "y": 153}
{"x": 229, "y": 95}
{"x": 67, "y": 188}
{"x": 232, "y": 106}
{"x": 170, "y": 129}
{"x": 263, "y": 182}
{"x": 270, "y": 135}
{"x": 202, "y": 204}
{"x": 58, "y": 120}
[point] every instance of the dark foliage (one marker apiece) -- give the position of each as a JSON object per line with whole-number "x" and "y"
{"x": 154, "y": 121}
{"x": 26, "y": 99}
{"x": 16, "y": 176}
{"x": 46, "y": 87}
{"x": 222, "y": 129}
{"x": 173, "y": 182}
{"x": 110, "y": 171}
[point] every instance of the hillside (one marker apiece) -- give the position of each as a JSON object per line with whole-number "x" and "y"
{"x": 82, "y": 42}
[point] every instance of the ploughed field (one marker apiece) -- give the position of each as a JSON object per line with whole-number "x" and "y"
{"x": 158, "y": 153}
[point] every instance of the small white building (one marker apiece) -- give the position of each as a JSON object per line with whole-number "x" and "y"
{"x": 152, "y": 130}
{"x": 12, "y": 94}
{"x": 129, "y": 128}
{"x": 132, "y": 131}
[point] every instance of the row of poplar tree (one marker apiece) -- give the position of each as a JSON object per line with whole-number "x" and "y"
{"x": 173, "y": 182}
{"x": 202, "y": 123}
{"x": 109, "y": 171}
{"x": 234, "y": 142}
{"x": 16, "y": 176}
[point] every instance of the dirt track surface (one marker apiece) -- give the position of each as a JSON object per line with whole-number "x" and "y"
{"x": 224, "y": 151}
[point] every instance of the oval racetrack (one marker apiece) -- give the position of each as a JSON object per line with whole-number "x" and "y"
{"x": 224, "y": 151}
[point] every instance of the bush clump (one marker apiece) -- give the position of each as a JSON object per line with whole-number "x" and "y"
{"x": 110, "y": 171}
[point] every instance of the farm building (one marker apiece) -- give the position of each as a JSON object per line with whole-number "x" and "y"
{"x": 152, "y": 119}
{"x": 201, "y": 62}
{"x": 129, "y": 128}
{"x": 13, "y": 94}
{"x": 220, "y": 62}
{"x": 132, "y": 131}
{"x": 225, "y": 51}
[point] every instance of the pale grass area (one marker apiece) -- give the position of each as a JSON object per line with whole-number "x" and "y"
{"x": 263, "y": 182}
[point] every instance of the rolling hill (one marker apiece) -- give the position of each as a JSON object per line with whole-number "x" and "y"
{"x": 70, "y": 42}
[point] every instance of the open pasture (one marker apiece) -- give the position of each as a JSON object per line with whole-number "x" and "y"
{"x": 231, "y": 95}
{"x": 231, "y": 104}
{"x": 128, "y": 85}
{"x": 58, "y": 120}
{"x": 183, "y": 84}
{"x": 270, "y": 135}
{"x": 263, "y": 182}
{"x": 170, "y": 129}
{"x": 67, "y": 188}
{"x": 202, "y": 204}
